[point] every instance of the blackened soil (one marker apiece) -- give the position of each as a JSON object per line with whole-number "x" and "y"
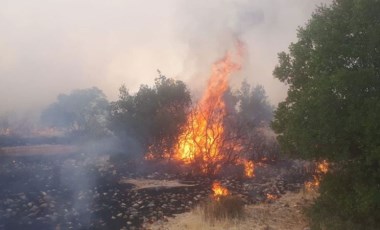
{"x": 77, "y": 191}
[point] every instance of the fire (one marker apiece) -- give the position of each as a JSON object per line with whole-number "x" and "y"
{"x": 202, "y": 139}
{"x": 219, "y": 190}
{"x": 202, "y": 134}
{"x": 271, "y": 197}
{"x": 321, "y": 169}
{"x": 249, "y": 167}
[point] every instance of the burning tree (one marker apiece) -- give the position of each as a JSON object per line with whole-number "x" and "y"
{"x": 205, "y": 141}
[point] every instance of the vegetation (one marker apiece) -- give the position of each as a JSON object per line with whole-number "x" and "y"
{"x": 254, "y": 108}
{"x": 331, "y": 111}
{"x": 254, "y": 114}
{"x": 151, "y": 118}
{"x": 82, "y": 113}
{"x": 225, "y": 207}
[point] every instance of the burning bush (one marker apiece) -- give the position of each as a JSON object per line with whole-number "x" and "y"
{"x": 206, "y": 141}
{"x": 207, "y": 136}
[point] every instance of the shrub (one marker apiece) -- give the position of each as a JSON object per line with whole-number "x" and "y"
{"x": 350, "y": 199}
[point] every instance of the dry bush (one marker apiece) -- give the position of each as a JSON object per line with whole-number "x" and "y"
{"x": 226, "y": 207}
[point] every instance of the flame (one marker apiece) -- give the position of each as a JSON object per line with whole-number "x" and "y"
{"x": 202, "y": 139}
{"x": 272, "y": 197}
{"x": 219, "y": 190}
{"x": 204, "y": 129}
{"x": 321, "y": 169}
{"x": 249, "y": 167}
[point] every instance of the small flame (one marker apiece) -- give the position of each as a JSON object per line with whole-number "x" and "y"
{"x": 321, "y": 169}
{"x": 219, "y": 190}
{"x": 249, "y": 167}
{"x": 272, "y": 197}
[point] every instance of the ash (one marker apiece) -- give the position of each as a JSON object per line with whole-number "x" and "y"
{"x": 80, "y": 191}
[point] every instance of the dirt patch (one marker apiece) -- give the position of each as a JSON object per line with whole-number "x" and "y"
{"x": 147, "y": 183}
{"x": 284, "y": 213}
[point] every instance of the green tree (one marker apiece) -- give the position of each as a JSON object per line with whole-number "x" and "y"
{"x": 332, "y": 109}
{"x": 153, "y": 116}
{"x": 82, "y": 113}
{"x": 254, "y": 108}
{"x": 250, "y": 119}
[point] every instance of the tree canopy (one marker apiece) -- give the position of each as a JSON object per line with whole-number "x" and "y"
{"x": 333, "y": 73}
{"x": 332, "y": 107}
{"x": 254, "y": 107}
{"x": 82, "y": 112}
{"x": 153, "y": 116}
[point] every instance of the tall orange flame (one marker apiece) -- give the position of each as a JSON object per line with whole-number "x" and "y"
{"x": 203, "y": 135}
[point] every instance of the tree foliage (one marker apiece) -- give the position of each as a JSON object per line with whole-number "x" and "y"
{"x": 83, "y": 112}
{"x": 333, "y": 102}
{"x": 153, "y": 116}
{"x": 334, "y": 78}
{"x": 253, "y": 114}
{"x": 254, "y": 108}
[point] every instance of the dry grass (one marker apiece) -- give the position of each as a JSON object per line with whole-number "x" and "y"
{"x": 286, "y": 213}
{"x": 149, "y": 183}
{"x": 223, "y": 208}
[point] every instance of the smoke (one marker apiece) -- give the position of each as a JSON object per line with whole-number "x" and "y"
{"x": 265, "y": 27}
{"x": 51, "y": 47}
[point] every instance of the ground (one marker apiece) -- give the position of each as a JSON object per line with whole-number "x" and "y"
{"x": 285, "y": 213}
{"x": 61, "y": 187}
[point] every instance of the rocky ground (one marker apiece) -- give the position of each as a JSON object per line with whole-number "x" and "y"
{"x": 82, "y": 191}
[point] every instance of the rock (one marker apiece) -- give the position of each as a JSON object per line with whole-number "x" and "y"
{"x": 33, "y": 208}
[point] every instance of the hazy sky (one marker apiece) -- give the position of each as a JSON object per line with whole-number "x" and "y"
{"x": 49, "y": 47}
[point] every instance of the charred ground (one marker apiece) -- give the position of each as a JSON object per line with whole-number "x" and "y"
{"x": 75, "y": 191}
